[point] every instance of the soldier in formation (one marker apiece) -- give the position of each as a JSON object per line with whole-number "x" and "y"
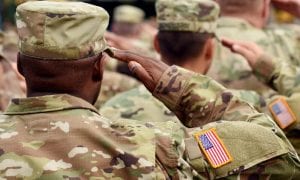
{"x": 202, "y": 131}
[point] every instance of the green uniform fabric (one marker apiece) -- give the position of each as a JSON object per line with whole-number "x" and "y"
{"x": 191, "y": 15}
{"x": 232, "y": 70}
{"x": 284, "y": 78}
{"x": 61, "y": 136}
{"x": 112, "y": 84}
{"x": 50, "y": 30}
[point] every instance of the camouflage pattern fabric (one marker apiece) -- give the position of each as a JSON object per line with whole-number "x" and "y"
{"x": 128, "y": 14}
{"x": 88, "y": 145}
{"x": 9, "y": 84}
{"x": 232, "y": 70}
{"x": 284, "y": 78}
{"x": 40, "y": 24}
{"x": 190, "y": 15}
{"x": 114, "y": 83}
{"x": 139, "y": 104}
{"x": 63, "y": 137}
{"x": 192, "y": 102}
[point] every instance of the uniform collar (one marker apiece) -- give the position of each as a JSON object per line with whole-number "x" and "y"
{"x": 49, "y": 103}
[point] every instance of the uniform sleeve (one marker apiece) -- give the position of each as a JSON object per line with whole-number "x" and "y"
{"x": 198, "y": 100}
{"x": 283, "y": 77}
{"x": 202, "y": 103}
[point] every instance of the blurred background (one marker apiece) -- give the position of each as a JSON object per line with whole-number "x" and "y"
{"x": 7, "y": 8}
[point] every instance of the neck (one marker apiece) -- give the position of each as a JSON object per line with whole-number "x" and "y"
{"x": 79, "y": 95}
{"x": 197, "y": 65}
{"x": 251, "y": 19}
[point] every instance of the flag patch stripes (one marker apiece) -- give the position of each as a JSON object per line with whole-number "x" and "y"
{"x": 282, "y": 113}
{"x": 213, "y": 148}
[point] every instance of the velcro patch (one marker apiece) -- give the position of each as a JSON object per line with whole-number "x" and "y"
{"x": 282, "y": 113}
{"x": 213, "y": 148}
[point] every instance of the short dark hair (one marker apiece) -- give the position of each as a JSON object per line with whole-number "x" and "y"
{"x": 43, "y": 74}
{"x": 180, "y": 46}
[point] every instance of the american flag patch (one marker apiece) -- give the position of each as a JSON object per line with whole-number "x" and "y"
{"x": 282, "y": 113}
{"x": 213, "y": 148}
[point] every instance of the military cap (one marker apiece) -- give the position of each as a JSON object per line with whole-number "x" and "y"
{"x": 187, "y": 15}
{"x": 128, "y": 14}
{"x": 61, "y": 30}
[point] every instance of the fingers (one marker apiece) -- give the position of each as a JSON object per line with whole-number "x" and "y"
{"x": 227, "y": 43}
{"x": 242, "y": 50}
{"x": 250, "y": 46}
{"x": 127, "y": 56}
{"x": 141, "y": 74}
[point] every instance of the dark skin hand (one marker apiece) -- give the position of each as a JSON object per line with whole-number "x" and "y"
{"x": 148, "y": 70}
{"x": 119, "y": 42}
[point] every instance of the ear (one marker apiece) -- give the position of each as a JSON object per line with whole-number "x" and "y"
{"x": 209, "y": 49}
{"x": 19, "y": 65}
{"x": 156, "y": 44}
{"x": 98, "y": 68}
{"x": 265, "y": 10}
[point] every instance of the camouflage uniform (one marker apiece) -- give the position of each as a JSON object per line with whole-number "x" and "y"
{"x": 63, "y": 137}
{"x": 284, "y": 78}
{"x": 232, "y": 70}
{"x": 125, "y": 14}
{"x": 112, "y": 84}
{"x": 128, "y": 149}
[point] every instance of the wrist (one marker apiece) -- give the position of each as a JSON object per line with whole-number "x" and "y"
{"x": 171, "y": 86}
{"x": 264, "y": 67}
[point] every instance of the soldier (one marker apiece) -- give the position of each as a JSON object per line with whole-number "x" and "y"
{"x": 282, "y": 77}
{"x": 197, "y": 57}
{"x": 128, "y": 33}
{"x": 126, "y": 23}
{"x": 245, "y": 20}
{"x": 50, "y": 135}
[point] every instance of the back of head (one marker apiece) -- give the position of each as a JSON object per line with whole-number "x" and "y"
{"x": 184, "y": 27}
{"x": 59, "y": 42}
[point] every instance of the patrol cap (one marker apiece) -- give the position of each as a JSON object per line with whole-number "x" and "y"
{"x": 61, "y": 30}
{"x": 128, "y": 14}
{"x": 187, "y": 15}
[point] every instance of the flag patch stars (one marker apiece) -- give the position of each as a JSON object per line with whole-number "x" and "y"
{"x": 213, "y": 148}
{"x": 282, "y": 113}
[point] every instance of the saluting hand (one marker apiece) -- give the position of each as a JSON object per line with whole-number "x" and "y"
{"x": 148, "y": 70}
{"x": 249, "y": 50}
